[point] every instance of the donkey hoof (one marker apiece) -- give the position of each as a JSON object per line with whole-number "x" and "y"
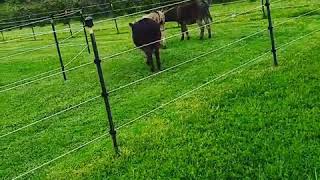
{"x": 210, "y": 36}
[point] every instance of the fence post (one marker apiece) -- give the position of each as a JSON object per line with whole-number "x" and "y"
{"x": 274, "y": 50}
{"x": 34, "y": 35}
{"x": 2, "y": 35}
{"x": 32, "y": 27}
{"x": 84, "y": 30}
{"x": 114, "y": 19}
{"x": 263, "y": 10}
{"x": 69, "y": 25}
{"x": 58, "y": 48}
{"x": 105, "y": 94}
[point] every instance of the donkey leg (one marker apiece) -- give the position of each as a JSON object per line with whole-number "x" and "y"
{"x": 208, "y": 23}
{"x": 157, "y": 53}
{"x": 187, "y": 32}
{"x": 148, "y": 52}
{"x": 202, "y": 27}
{"x": 182, "y": 32}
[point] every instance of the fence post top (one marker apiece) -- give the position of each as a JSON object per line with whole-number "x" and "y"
{"x": 89, "y": 22}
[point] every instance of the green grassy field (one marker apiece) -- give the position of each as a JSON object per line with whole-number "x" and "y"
{"x": 261, "y": 122}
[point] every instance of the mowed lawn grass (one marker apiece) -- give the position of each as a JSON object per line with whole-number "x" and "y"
{"x": 261, "y": 122}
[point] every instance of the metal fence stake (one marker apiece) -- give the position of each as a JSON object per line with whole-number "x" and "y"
{"x": 114, "y": 19}
{"x": 34, "y": 35}
{"x": 105, "y": 94}
{"x": 84, "y": 30}
{"x": 58, "y": 49}
{"x": 2, "y": 35}
{"x": 263, "y": 10}
{"x": 70, "y": 29}
{"x": 273, "y": 45}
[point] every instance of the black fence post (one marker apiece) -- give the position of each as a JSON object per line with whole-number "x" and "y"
{"x": 263, "y": 10}
{"x": 105, "y": 94}
{"x": 32, "y": 28}
{"x": 34, "y": 35}
{"x": 114, "y": 19}
{"x": 274, "y": 50}
{"x": 58, "y": 49}
{"x": 2, "y": 36}
{"x": 84, "y": 30}
{"x": 69, "y": 25}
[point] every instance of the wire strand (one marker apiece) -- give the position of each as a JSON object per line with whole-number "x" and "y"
{"x": 75, "y": 57}
{"x": 61, "y": 156}
{"x": 39, "y": 48}
{"x": 51, "y": 116}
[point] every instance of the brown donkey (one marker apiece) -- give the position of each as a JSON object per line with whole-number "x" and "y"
{"x": 146, "y": 35}
{"x": 191, "y": 12}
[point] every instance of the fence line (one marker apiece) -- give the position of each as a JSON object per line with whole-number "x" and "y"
{"x": 59, "y": 157}
{"x": 140, "y": 12}
{"x": 120, "y": 53}
{"x": 134, "y": 7}
{"x": 114, "y": 55}
{"x": 237, "y": 41}
{"x": 185, "y": 62}
{"x": 31, "y": 77}
{"x": 169, "y": 37}
{"x": 75, "y": 57}
{"x": 27, "y": 24}
{"x": 39, "y": 48}
{"x": 35, "y": 35}
{"x": 51, "y": 116}
{"x": 62, "y": 11}
{"x": 87, "y": 143}
{"x": 46, "y": 77}
{"x": 202, "y": 55}
{"x": 203, "y": 85}
{"x": 297, "y": 17}
{"x": 296, "y": 6}
{"x": 193, "y": 90}
{"x": 252, "y": 61}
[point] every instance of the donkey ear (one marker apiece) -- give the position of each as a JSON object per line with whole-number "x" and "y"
{"x": 130, "y": 24}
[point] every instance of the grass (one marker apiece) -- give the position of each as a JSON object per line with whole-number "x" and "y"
{"x": 262, "y": 122}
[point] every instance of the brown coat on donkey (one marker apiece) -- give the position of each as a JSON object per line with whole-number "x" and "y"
{"x": 146, "y": 35}
{"x": 194, "y": 11}
{"x": 158, "y": 17}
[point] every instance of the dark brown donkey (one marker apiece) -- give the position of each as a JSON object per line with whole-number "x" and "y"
{"x": 191, "y": 12}
{"x": 146, "y": 35}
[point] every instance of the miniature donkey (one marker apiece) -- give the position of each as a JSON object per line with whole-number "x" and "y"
{"x": 146, "y": 35}
{"x": 194, "y": 11}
